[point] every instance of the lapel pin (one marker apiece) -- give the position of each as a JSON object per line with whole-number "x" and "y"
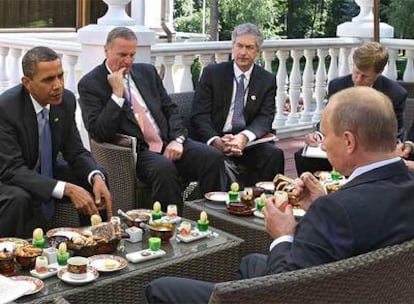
{"x": 56, "y": 119}
{"x": 253, "y": 97}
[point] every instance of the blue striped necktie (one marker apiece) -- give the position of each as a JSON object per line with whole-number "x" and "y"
{"x": 238, "y": 122}
{"x": 46, "y": 162}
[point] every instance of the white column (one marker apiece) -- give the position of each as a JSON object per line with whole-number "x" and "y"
{"x": 294, "y": 87}
{"x": 320, "y": 84}
{"x": 281, "y": 93}
{"x": 333, "y": 65}
{"x": 307, "y": 86}
{"x": 138, "y": 11}
{"x": 70, "y": 81}
{"x": 4, "y": 77}
{"x": 169, "y": 61}
{"x": 93, "y": 36}
{"x": 221, "y": 57}
{"x": 409, "y": 71}
{"x": 390, "y": 70}
{"x": 344, "y": 61}
{"x": 183, "y": 82}
{"x": 268, "y": 57}
{"x": 16, "y": 71}
{"x": 362, "y": 26}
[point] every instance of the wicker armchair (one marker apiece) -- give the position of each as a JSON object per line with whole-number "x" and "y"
{"x": 118, "y": 158}
{"x": 382, "y": 276}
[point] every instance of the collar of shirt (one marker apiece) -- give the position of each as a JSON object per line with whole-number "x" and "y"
{"x": 370, "y": 167}
{"x": 37, "y": 107}
{"x": 238, "y": 72}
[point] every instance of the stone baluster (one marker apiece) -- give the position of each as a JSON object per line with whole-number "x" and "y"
{"x": 116, "y": 14}
{"x": 169, "y": 61}
{"x": 294, "y": 87}
{"x": 307, "y": 86}
{"x": 320, "y": 84}
{"x": 15, "y": 63}
{"x": 344, "y": 61}
{"x": 185, "y": 84}
{"x": 4, "y": 76}
{"x": 281, "y": 93}
{"x": 390, "y": 70}
{"x": 70, "y": 81}
{"x": 333, "y": 65}
{"x": 268, "y": 57}
{"x": 205, "y": 59}
{"x": 409, "y": 71}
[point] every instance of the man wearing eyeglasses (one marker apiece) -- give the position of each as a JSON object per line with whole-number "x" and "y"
{"x": 233, "y": 105}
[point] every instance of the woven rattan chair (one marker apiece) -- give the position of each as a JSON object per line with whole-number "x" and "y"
{"x": 118, "y": 158}
{"x": 382, "y": 276}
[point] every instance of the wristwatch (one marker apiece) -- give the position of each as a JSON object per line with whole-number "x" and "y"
{"x": 180, "y": 139}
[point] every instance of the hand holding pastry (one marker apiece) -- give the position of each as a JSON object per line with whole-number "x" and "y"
{"x": 307, "y": 189}
{"x": 278, "y": 222}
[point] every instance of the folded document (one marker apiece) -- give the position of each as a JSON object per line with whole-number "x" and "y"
{"x": 315, "y": 152}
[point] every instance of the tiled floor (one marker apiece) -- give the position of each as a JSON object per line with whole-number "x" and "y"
{"x": 290, "y": 146}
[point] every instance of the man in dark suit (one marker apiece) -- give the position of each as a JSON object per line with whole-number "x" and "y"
{"x": 219, "y": 120}
{"x": 373, "y": 209}
{"x": 24, "y": 188}
{"x": 369, "y": 62}
{"x": 119, "y": 96}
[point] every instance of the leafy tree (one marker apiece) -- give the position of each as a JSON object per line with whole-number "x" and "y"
{"x": 399, "y": 13}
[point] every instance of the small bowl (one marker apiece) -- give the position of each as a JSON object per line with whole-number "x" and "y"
{"x": 7, "y": 264}
{"x": 26, "y": 256}
{"x": 163, "y": 230}
{"x": 138, "y": 218}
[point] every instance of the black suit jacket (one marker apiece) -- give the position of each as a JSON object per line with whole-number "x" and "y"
{"x": 392, "y": 89}
{"x": 374, "y": 210}
{"x": 19, "y": 137}
{"x": 104, "y": 118}
{"x": 212, "y": 101}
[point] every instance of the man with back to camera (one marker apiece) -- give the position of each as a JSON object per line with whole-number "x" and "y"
{"x": 120, "y": 96}
{"x": 234, "y": 104}
{"x": 369, "y": 62}
{"x": 372, "y": 210}
{"x": 36, "y": 123}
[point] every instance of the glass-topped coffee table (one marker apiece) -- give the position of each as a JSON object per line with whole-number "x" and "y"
{"x": 212, "y": 259}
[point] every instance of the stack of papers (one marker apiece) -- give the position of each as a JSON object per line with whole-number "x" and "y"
{"x": 11, "y": 290}
{"x": 265, "y": 138}
{"x": 315, "y": 152}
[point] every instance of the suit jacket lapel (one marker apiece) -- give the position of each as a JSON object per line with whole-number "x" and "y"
{"x": 254, "y": 84}
{"x": 31, "y": 130}
{"x": 228, "y": 84}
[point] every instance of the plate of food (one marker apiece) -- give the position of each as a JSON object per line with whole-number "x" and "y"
{"x": 107, "y": 262}
{"x": 35, "y": 285}
{"x": 91, "y": 275}
{"x": 268, "y": 186}
{"x": 11, "y": 243}
{"x": 217, "y": 196}
{"x": 68, "y": 232}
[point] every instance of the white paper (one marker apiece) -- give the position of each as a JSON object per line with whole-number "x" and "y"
{"x": 11, "y": 290}
{"x": 315, "y": 152}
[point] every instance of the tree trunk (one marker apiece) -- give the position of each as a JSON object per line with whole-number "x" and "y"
{"x": 214, "y": 20}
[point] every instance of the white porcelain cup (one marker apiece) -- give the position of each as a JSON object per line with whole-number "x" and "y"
{"x": 78, "y": 267}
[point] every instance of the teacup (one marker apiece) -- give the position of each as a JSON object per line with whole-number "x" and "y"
{"x": 78, "y": 267}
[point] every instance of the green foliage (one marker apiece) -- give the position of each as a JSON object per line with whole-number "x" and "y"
{"x": 400, "y": 15}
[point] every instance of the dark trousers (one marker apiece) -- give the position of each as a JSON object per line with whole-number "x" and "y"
{"x": 310, "y": 164}
{"x": 175, "y": 290}
{"x": 199, "y": 162}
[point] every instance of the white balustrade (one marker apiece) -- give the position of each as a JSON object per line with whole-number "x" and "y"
{"x": 176, "y": 60}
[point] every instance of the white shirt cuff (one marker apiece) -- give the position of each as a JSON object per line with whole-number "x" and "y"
{"x": 211, "y": 140}
{"x": 59, "y": 190}
{"x": 281, "y": 239}
{"x": 250, "y": 135}
{"x": 118, "y": 100}
{"x": 93, "y": 173}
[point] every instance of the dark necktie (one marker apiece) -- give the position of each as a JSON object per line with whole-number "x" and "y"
{"x": 238, "y": 122}
{"x": 46, "y": 163}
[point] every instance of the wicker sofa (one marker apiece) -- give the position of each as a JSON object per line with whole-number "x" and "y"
{"x": 382, "y": 276}
{"x": 118, "y": 158}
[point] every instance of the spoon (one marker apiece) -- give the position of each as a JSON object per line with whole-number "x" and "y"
{"x": 120, "y": 212}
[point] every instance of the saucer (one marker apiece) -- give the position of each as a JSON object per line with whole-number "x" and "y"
{"x": 98, "y": 261}
{"x": 296, "y": 212}
{"x": 35, "y": 284}
{"x": 91, "y": 275}
{"x": 268, "y": 186}
{"x": 194, "y": 235}
{"x": 217, "y": 196}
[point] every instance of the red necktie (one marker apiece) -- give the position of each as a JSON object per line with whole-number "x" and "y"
{"x": 151, "y": 136}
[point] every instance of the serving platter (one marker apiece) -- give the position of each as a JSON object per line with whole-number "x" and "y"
{"x": 99, "y": 262}
{"x": 35, "y": 284}
{"x": 217, "y": 196}
{"x": 194, "y": 235}
{"x": 11, "y": 243}
{"x": 68, "y": 232}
